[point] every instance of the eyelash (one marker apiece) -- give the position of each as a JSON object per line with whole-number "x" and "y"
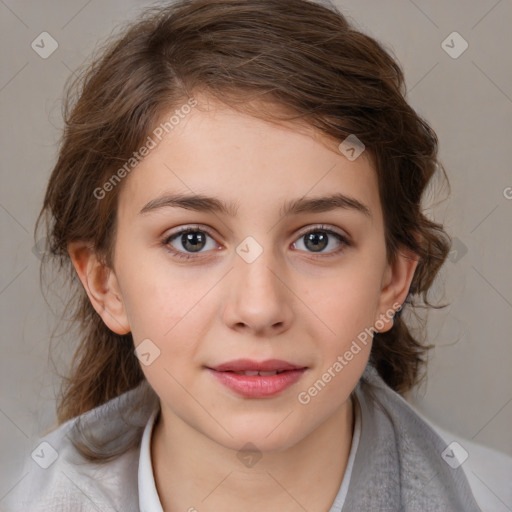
{"x": 192, "y": 229}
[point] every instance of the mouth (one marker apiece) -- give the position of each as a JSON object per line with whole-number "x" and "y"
{"x": 252, "y": 373}
{"x": 250, "y": 367}
{"x": 252, "y": 379}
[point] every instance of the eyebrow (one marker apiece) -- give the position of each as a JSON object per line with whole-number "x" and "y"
{"x": 202, "y": 203}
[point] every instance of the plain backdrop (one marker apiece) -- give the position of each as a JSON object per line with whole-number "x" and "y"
{"x": 467, "y": 100}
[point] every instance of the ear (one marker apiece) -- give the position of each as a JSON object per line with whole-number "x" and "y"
{"x": 101, "y": 286}
{"x": 396, "y": 282}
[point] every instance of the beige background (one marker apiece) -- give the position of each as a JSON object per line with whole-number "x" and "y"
{"x": 468, "y": 100}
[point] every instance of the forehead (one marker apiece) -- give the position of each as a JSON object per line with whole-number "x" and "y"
{"x": 251, "y": 163}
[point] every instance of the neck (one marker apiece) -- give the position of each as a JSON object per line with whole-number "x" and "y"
{"x": 194, "y": 472}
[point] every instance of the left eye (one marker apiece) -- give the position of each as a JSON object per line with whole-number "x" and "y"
{"x": 192, "y": 240}
{"x": 317, "y": 239}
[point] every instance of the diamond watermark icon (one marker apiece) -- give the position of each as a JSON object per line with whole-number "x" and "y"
{"x": 44, "y": 455}
{"x": 249, "y": 249}
{"x": 457, "y": 250}
{"x": 351, "y": 147}
{"x": 44, "y": 45}
{"x": 147, "y": 352}
{"x": 249, "y": 455}
{"x": 454, "y": 455}
{"x": 454, "y": 45}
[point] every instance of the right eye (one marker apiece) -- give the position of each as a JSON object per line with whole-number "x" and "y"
{"x": 191, "y": 239}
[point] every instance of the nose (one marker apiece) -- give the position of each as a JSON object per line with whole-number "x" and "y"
{"x": 259, "y": 299}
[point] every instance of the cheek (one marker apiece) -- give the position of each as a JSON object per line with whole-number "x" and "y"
{"x": 160, "y": 311}
{"x": 156, "y": 297}
{"x": 347, "y": 305}
{"x": 166, "y": 308}
{"x": 346, "y": 301}
{"x": 343, "y": 343}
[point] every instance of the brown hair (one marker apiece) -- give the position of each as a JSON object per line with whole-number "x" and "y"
{"x": 298, "y": 54}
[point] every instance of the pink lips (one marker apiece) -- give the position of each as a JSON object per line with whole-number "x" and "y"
{"x": 260, "y": 380}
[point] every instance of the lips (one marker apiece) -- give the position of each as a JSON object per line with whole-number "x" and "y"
{"x": 250, "y": 367}
{"x": 253, "y": 379}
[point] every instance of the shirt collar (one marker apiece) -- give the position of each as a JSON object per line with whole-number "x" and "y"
{"x": 148, "y": 496}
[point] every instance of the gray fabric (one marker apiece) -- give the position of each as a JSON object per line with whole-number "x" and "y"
{"x": 398, "y": 464}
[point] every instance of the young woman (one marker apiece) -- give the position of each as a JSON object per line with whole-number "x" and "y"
{"x": 237, "y": 202}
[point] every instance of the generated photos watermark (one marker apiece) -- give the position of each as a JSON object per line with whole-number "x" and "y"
{"x": 151, "y": 142}
{"x": 304, "y": 397}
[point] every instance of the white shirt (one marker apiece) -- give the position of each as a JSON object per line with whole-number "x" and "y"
{"x": 148, "y": 495}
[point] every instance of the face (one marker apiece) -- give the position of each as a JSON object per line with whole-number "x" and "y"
{"x": 293, "y": 269}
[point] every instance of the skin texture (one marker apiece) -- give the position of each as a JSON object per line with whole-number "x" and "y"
{"x": 290, "y": 303}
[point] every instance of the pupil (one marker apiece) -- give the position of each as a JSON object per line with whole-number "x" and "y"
{"x": 195, "y": 239}
{"x": 319, "y": 241}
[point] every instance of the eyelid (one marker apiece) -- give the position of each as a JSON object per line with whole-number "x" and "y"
{"x": 189, "y": 227}
{"x": 325, "y": 227}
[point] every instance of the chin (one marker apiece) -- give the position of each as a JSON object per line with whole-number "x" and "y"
{"x": 261, "y": 439}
